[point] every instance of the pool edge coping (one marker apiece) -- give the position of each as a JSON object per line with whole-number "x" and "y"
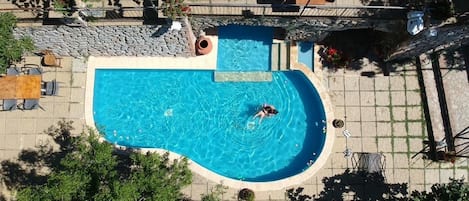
{"x": 195, "y": 167}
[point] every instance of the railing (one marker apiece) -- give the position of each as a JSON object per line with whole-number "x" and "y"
{"x": 293, "y": 10}
{"x": 212, "y": 9}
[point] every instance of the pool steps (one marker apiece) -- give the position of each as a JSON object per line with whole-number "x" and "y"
{"x": 280, "y": 56}
{"x": 242, "y": 76}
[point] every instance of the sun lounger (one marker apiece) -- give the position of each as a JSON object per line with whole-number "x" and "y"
{"x": 9, "y": 104}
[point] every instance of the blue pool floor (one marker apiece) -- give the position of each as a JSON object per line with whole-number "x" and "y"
{"x": 306, "y": 54}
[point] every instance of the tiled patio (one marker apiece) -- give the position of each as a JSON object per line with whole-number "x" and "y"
{"x": 382, "y": 113}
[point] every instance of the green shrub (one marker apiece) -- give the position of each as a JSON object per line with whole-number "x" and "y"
{"x": 11, "y": 49}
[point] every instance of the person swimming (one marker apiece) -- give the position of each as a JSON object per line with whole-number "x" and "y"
{"x": 266, "y": 111}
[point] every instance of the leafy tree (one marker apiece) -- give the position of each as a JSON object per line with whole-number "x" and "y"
{"x": 94, "y": 170}
{"x": 456, "y": 190}
{"x": 11, "y": 49}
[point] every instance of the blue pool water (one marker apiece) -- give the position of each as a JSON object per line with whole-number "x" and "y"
{"x": 244, "y": 48}
{"x": 305, "y": 55}
{"x": 211, "y": 122}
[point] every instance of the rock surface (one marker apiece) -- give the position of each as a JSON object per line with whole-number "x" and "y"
{"x": 109, "y": 40}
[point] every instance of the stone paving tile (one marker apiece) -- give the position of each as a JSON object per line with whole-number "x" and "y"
{"x": 12, "y": 142}
{"x": 383, "y": 98}
{"x": 401, "y": 160}
{"x": 13, "y": 114}
{"x": 414, "y": 128}
{"x": 368, "y": 114}
{"x": 417, "y": 176}
{"x": 432, "y": 176}
{"x": 461, "y": 173}
{"x": 384, "y": 145}
{"x": 445, "y": 175}
{"x": 338, "y": 97}
{"x": 351, "y": 83}
{"x": 400, "y": 145}
{"x": 398, "y": 113}
{"x": 413, "y": 98}
{"x": 367, "y": 98}
{"x": 339, "y": 112}
{"x": 370, "y": 145}
{"x": 414, "y": 113}
{"x": 399, "y": 129}
{"x": 63, "y": 78}
{"x": 415, "y": 145}
{"x": 383, "y": 129}
{"x": 336, "y": 83}
{"x": 382, "y": 83}
{"x": 27, "y": 126}
{"x": 12, "y": 126}
{"x": 397, "y": 83}
{"x": 401, "y": 175}
{"x": 416, "y": 187}
{"x": 411, "y": 83}
{"x": 383, "y": 114}
{"x": 77, "y": 95}
{"x": 416, "y": 162}
{"x": 61, "y": 110}
{"x": 63, "y": 96}
{"x": 352, "y": 113}
{"x": 354, "y": 128}
{"x": 28, "y": 141}
{"x": 352, "y": 98}
{"x": 368, "y": 129}
{"x": 366, "y": 84}
{"x": 338, "y": 161}
{"x": 397, "y": 98}
{"x": 339, "y": 144}
{"x": 355, "y": 144}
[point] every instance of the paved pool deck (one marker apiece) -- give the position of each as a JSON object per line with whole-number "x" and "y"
{"x": 382, "y": 113}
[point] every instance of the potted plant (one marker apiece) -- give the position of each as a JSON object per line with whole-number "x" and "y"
{"x": 336, "y": 58}
{"x": 174, "y": 9}
{"x": 246, "y": 194}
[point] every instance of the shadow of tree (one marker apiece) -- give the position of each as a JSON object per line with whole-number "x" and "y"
{"x": 32, "y": 166}
{"x": 354, "y": 186}
{"x": 359, "y": 44}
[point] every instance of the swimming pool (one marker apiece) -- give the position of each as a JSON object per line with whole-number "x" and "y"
{"x": 244, "y": 48}
{"x": 306, "y": 54}
{"x": 211, "y": 123}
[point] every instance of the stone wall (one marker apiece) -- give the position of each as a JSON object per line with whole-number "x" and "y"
{"x": 109, "y": 40}
{"x": 312, "y": 29}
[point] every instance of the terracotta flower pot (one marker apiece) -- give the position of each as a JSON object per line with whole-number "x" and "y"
{"x": 203, "y": 45}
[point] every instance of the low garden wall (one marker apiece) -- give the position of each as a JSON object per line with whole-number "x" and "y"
{"x": 138, "y": 40}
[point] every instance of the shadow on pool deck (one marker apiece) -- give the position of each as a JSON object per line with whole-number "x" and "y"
{"x": 354, "y": 186}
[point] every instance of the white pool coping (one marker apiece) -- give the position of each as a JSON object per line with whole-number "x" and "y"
{"x": 208, "y": 62}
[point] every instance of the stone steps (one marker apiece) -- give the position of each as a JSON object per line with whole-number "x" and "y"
{"x": 242, "y": 76}
{"x": 280, "y": 56}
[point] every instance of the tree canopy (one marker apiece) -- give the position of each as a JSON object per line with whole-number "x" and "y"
{"x": 92, "y": 170}
{"x": 456, "y": 190}
{"x": 11, "y": 49}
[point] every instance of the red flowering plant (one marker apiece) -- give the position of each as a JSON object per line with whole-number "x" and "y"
{"x": 336, "y": 57}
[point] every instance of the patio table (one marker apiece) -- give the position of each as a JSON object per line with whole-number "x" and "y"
{"x": 20, "y": 87}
